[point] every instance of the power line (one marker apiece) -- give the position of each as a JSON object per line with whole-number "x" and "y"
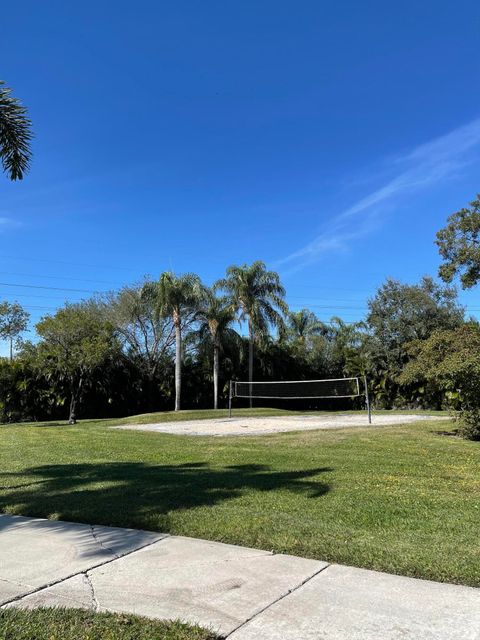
{"x": 37, "y": 286}
{"x": 167, "y": 259}
{"x": 335, "y": 306}
{"x": 37, "y": 275}
{"x": 297, "y": 307}
{"x": 116, "y": 284}
{"x": 34, "y": 295}
{"x": 73, "y": 264}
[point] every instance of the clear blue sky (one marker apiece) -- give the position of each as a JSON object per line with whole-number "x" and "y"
{"x": 330, "y": 140}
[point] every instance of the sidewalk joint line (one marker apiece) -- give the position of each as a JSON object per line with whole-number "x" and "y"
{"x": 82, "y": 572}
{"x": 270, "y": 604}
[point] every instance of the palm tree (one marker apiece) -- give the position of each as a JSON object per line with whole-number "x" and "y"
{"x": 176, "y": 297}
{"x": 347, "y": 346}
{"x": 257, "y": 296}
{"x": 216, "y": 317}
{"x": 15, "y": 135}
{"x": 304, "y": 324}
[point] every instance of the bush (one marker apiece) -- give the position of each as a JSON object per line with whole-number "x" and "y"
{"x": 451, "y": 361}
{"x": 469, "y": 422}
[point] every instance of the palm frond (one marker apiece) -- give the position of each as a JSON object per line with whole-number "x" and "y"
{"x": 256, "y": 294}
{"x": 15, "y": 135}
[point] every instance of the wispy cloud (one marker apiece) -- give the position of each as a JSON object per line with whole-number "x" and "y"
{"x": 422, "y": 167}
{"x": 8, "y": 223}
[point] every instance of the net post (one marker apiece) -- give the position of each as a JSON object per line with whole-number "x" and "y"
{"x": 367, "y": 400}
{"x": 230, "y": 400}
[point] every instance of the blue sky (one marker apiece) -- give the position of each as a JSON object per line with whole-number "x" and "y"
{"x": 330, "y": 140}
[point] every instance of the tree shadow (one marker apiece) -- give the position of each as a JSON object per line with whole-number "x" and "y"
{"x": 139, "y": 495}
{"x": 453, "y": 433}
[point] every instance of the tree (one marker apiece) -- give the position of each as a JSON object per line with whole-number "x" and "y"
{"x": 257, "y": 296}
{"x": 399, "y": 314}
{"x": 176, "y": 297}
{"x": 305, "y": 336}
{"x": 216, "y": 316}
{"x": 146, "y": 340}
{"x": 15, "y": 135}
{"x": 304, "y": 324}
{"x": 74, "y": 344}
{"x": 346, "y": 342}
{"x": 451, "y": 360}
{"x": 13, "y": 322}
{"x": 146, "y": 336}
{"x": 459, "y": 246}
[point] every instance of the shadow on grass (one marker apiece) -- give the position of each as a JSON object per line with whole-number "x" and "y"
{"x": 454, "y": 433}
{"x": 139, "y": 495}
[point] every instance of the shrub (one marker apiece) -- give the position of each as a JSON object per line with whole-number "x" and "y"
{"x": 451, "y": 360}
{"x": 469, "y": 422}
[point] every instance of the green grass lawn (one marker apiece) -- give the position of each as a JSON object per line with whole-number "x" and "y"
{"x": 76, "y": 624}
{"x": 402, "y": 499}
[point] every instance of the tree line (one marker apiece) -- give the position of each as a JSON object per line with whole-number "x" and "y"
{"x": 175, "y": 343}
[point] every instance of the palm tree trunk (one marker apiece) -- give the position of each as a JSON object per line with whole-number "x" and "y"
{"x": 250, "y": 360}
{"x": 72, "y": 418}
{"x": 216, "y": 350}
{"x": 76, "y": 391}
{"x": 72, "y": 414}
{"x": 178, "y": 363}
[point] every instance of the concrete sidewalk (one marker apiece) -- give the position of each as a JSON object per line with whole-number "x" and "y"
{"x": 241, "y": 593}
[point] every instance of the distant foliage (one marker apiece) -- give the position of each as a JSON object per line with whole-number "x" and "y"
{"x": 76, "y": 343}
{"x": 459, "y": 246}
{"x": 397, "y": 315}
{"x": 450, "y": 360}
{"x": 13, "y": 322}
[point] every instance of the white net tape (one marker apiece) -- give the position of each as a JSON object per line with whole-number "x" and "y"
{"x": 298, "y": 389}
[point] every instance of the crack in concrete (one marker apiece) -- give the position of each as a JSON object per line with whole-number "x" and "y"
{"x": 95, "y": 604}
{"x": 83, "y": 571}
{"x": 270, "y": 604}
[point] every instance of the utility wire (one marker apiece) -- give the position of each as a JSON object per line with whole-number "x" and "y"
{"x": 37, "y": 286}
{"x": 50, "y": 277}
